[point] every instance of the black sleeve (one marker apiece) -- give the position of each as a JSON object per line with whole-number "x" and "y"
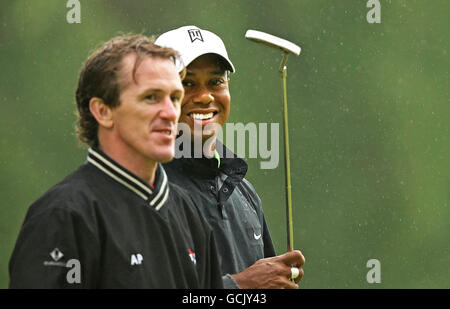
{"x": 55, "y": 248}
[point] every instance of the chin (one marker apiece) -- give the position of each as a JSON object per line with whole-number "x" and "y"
{"x": 207, "y": 137}
{"x": 204, "y": 135}
{"x": 164, "y": 157}
{"x": 163, "y": 154}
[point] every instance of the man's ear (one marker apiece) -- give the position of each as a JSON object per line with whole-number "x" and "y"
{"x": 101, "y": 112}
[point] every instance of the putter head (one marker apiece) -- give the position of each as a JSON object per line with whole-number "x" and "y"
{"x": 273, "y": 41}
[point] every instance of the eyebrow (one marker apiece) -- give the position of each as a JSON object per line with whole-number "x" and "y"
{"x": 149, "y": 90}
{"x": 219, "y": 72}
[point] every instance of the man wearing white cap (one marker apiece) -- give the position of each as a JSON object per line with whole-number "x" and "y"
{"x": 215, "y": 179}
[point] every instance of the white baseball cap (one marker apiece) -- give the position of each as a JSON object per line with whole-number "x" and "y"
{"x": 192, "y": 42}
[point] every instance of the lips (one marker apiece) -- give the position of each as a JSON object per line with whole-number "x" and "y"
{"x": 164, "y": 130}
{"x": 167, "y": 132}
{"x": 202, "y": 115}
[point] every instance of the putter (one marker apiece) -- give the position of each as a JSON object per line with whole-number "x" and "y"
{"x": 288, "y": 48}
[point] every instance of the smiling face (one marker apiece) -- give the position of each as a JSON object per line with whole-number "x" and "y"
{"x": 207, "y": 97}
{"x": 144, "y": 124}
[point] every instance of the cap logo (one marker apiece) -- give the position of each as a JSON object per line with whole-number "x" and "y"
{"x": 195, "y": 34}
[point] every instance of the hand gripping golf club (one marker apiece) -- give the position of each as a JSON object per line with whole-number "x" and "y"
{"x": 287, "y": 47}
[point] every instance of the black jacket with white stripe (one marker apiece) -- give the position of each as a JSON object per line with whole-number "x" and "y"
{"x": 103, "y": 227}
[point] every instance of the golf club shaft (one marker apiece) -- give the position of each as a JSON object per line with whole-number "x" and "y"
{"x": 289, "y": 224}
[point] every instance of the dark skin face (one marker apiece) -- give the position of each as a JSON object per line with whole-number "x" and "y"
{"x": 206, "y": 101}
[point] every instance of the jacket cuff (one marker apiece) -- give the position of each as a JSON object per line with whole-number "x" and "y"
{"x": 229, "y": 282}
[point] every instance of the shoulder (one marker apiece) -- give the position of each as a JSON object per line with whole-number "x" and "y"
{"x": 69, "y": 196}
{"x": 248, "y": 185}
{"x": 250, "y": 190}
{"x": 175, "y": 171}
{"x": 184, "y": 203}
{"x": 173, "y": 167}
{"x": 189, "y": 175}
{"x": 180, "y": 196}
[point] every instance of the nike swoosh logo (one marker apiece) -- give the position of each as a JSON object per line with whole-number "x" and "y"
{"x": 256, "y": 236}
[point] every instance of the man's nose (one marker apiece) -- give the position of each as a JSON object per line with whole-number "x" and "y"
{"x": 169, "y": 111}
{"x": 203, "y": 96}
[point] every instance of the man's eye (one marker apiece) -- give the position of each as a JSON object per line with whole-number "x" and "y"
{"x": 150, "y": 97}
{"x": 187, "y": 83}
{"x": 217, "y": 82}
{"x": 176, "y": 98}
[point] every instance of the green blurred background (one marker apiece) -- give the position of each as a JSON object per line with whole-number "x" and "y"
{"x": 369, "y": 121}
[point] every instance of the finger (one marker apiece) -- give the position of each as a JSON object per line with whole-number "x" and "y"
{"x": 294, "y": 257}
{"x": 287, "y": 272}
{"x": 300, "y": 275}
{"x": 295, "y": 272}
{"x": 291, "y": 285}
{"x": 284, "y": 276}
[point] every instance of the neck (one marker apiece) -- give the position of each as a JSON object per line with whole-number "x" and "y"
{"x": 209, "y": 145}
{"x": 132, "y": 161}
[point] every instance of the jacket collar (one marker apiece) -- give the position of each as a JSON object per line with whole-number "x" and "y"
{"x": 155, "y": 196}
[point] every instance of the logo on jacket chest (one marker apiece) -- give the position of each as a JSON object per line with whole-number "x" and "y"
{"x": 136, "y": 259}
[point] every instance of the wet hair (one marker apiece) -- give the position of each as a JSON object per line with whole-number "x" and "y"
{"x": 100, "y": 77}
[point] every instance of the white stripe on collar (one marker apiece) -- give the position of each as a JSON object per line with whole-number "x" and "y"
{"x": 161, "y": 204}
{"x": 130, "y": 181}
{"x": 118, "y": 170}
{"x": 164, "y": 184}
{"x": 117, "y": 178}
